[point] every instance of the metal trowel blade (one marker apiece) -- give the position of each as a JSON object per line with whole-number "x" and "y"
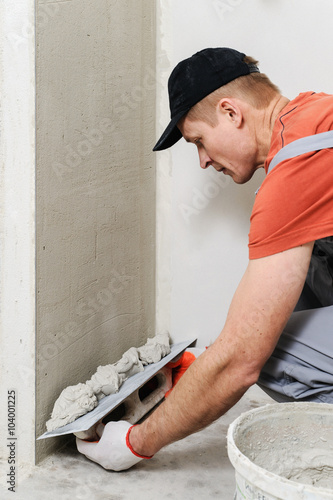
{"x": 109, "y": 403}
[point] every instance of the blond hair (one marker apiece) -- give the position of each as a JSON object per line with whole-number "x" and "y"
{"x": 254, "y": 88}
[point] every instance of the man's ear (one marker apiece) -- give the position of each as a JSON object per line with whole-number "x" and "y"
{"x": 231, "y": 110}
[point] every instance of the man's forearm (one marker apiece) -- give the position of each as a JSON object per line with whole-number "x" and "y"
{"x": 261, "y": 306}
{"x": 201, "y": 396}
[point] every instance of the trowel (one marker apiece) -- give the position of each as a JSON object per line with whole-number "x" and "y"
{"x": 137, "y": 396}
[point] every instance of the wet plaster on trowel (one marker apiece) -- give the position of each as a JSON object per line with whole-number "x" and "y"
{"x": 77, "y": 400}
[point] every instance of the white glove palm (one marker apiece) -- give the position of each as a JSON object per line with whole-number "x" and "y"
{"x": 113, "y": 450}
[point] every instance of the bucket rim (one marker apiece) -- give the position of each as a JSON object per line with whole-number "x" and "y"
{"x": 243, "y": 464}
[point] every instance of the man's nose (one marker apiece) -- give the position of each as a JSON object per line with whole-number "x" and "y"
{"x": 205, "y": 160}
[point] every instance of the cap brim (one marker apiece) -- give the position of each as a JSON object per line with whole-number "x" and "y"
{"x": 171, "y": 134}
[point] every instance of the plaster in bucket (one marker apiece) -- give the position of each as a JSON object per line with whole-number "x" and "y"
{"x": 283, "y": 452}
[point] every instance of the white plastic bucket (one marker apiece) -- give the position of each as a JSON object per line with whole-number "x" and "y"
{"x": 283, "y": 451}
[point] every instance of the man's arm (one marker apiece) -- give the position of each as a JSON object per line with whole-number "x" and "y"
{"x": 262, "y": 304}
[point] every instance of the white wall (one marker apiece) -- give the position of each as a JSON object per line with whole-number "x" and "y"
{"x": 17, "y": 232}
{"x": 209, "y": 221}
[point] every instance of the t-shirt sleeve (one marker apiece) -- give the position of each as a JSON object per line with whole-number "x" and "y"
{"x": 294, "y": 205}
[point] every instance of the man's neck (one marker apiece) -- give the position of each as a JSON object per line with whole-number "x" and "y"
{"x": 275, "y": 109}
{"x": 266, "y": 124}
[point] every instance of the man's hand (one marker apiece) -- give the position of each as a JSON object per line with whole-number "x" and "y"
{"x": 113, "y": 451}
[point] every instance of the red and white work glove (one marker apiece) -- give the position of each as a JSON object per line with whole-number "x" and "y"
{"x": 113, "y": 451}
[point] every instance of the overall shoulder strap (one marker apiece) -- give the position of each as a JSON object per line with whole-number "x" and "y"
{"x": 304, "y": 145}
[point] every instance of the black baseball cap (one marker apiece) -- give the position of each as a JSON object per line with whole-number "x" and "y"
{"x": 195, "y": 78}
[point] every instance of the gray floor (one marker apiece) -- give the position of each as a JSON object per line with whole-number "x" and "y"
{"x": 194, "y": 468}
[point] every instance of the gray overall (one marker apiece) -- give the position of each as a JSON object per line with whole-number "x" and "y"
{"x": 301, "y": 366}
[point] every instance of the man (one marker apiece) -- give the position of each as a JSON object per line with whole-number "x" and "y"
{"x": 238, "y": 120}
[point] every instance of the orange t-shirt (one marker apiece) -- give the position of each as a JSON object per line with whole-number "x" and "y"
{"x": 295, "y": 202}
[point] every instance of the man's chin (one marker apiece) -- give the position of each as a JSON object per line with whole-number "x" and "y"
{"x": 241, "y": 180}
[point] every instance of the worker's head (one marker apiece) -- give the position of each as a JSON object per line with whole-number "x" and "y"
{"x": 197, "y": 84}
{"x": 211, "y": 85}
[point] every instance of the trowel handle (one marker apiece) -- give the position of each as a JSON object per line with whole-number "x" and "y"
{"x": 89, "y": 435}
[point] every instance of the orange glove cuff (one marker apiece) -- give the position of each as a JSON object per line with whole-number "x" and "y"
{"x": 130, "y": 446}
{"x": 179, "y": 367}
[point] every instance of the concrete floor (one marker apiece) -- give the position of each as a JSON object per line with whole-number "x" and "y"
{"x": 192, "y": 469}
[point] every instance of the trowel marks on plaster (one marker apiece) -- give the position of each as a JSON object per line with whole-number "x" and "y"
{"x": 77, "y": 400}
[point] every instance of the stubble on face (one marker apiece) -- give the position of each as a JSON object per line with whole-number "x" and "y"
{"x": 226, "y": 148}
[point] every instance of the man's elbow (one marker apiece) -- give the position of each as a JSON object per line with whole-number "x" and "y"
{"x": 239, "y": 368}
{"x": 246, "y": 374}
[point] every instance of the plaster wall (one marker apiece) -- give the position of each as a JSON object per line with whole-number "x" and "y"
{"x": 95, "y": 190}
{"x": 209, "y": 215}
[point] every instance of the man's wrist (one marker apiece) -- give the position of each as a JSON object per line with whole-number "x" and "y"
{"x": 135, "y": 443}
